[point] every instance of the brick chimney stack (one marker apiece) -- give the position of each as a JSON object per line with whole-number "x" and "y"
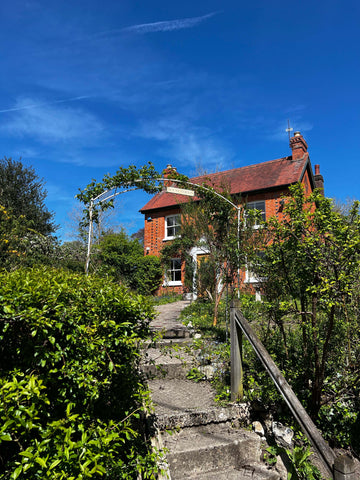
{"x": 167, "y": 172}
{"x": 298, "y": 146}
{"x": 319, "y": 179}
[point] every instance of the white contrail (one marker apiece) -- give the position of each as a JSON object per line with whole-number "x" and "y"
{"x": 165, "y": 26}
{"x": 168, "y": 25}
{"x": 37, "y": 105}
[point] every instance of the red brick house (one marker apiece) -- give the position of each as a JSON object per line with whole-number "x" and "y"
{"x": 260, "y": 186}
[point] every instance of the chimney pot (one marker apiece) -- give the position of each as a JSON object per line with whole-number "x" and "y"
{"x": 319, "y": 179}
{"x": 298, "y": 146}
{"x": 167, "y": 173}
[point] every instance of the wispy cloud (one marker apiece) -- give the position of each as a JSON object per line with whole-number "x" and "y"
{"x": 168, "y": 25}
{"x": 37, "y": 105}
{"x": 278, "y": 132}
{"x": 186, "y": 143}
{"x": 49, "y": 123}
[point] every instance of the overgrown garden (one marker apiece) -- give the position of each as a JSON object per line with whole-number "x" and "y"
{"x": 307, "y": 270}
{"x": 72, "y": 397}
{"x": 307, "y": 266}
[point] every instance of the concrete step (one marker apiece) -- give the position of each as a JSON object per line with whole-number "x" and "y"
{"x": 167, "y": 322}
{"x": 174, "y": 332}
{"x": 166, "y": 362}
{"x": 184, "y": 403}
{"x": 203, "y": 451}
{"x": 247, "y": 472}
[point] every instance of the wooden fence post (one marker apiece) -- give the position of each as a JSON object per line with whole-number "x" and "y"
{"x": 344, "y": 468}
{"x": 237, "y": 390}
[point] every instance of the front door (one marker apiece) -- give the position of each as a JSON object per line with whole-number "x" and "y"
{"x": 205, "y": 276}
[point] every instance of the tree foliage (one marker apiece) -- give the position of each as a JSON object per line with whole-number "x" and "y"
{"x": 12, "y": 230}
{"x": 22, "y": 192}
{"x": 145, "y": 178}
{"x": 22, "y": 246}
{"x": 222, "y": 239}
{"x": 69, "y": 377}
{"x": 122, "y": 257}
{"x": 310, "y": 273}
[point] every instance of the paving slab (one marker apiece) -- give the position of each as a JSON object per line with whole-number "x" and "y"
{"x": 166, "y": 361}
{"x": 184, "y": 403}
{"x": 167, "y": 322}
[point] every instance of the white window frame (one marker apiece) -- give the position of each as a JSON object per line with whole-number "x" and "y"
{"x": 176, "y": 226}
{"x": 171, "y": 272}
{"x": 250, "y": 276}
{"x": 261, "y": 206}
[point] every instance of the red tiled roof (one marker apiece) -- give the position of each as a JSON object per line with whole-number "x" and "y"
{"x": 261, "y": 176}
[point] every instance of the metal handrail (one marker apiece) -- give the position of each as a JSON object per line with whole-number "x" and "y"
{"x": 240, "y": 324}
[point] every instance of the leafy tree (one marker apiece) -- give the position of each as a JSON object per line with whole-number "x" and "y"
{"x": 22, "y": 191}
{"x": 12, "y": 230}
{"x": 311, "y": 273}
{"x": 123, "y": 258}
{"x": 71, "y": 255}
{"x": 211, "y": 226}
{"x": 70, "y": 386}
{"x": 21, "y": 245}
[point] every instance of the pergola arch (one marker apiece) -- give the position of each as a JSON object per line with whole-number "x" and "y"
{"x": 106, "y": 196}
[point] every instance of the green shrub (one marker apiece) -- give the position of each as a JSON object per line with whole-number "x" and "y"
{"x": 122, "y": 258}
{"x": 70, "y": 387}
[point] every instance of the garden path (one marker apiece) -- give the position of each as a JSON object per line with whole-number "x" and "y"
{"x": 167, "y": 320}
{"x": 203, "y": 444}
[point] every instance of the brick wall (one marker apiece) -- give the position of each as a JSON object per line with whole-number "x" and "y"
{"x": 154, "y": 231}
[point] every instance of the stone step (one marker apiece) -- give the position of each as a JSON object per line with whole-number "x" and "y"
{"x": 166, "y": 362}
{"x": 247, "y": 472}
{"x": 184, "y": 403}
{"x": 202, "y": 451}
{"x": 173, "y": 333}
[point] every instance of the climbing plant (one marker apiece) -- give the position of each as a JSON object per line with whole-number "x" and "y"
{"x": 145, "y": 178}
{"x": 214, "y": 225}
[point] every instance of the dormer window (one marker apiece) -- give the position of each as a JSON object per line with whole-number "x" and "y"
{"x": 260, "y": 206}
{"x": 172, "y": 226}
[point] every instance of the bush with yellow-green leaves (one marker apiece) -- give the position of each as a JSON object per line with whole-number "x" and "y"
{"x": 70, "y": 390}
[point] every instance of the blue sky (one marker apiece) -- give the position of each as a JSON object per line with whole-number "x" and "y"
{"x": 88, "y": 86}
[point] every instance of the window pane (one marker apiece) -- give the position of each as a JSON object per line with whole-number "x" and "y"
{"x": 175, "y": 270}
{"x": 258, "y": 206}
{"x": 173, "y": 226}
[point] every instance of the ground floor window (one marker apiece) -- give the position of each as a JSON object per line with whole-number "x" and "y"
{"x": 173, "y": 274}
{"x": 250, "y": 276}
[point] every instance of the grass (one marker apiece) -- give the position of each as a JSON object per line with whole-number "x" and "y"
{"x": 164, "y": 299}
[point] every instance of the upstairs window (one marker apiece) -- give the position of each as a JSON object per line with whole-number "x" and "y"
{"x": 260, "y": 206}
{"x": 172, "y": 226}
{"x": 173, "y": 274}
